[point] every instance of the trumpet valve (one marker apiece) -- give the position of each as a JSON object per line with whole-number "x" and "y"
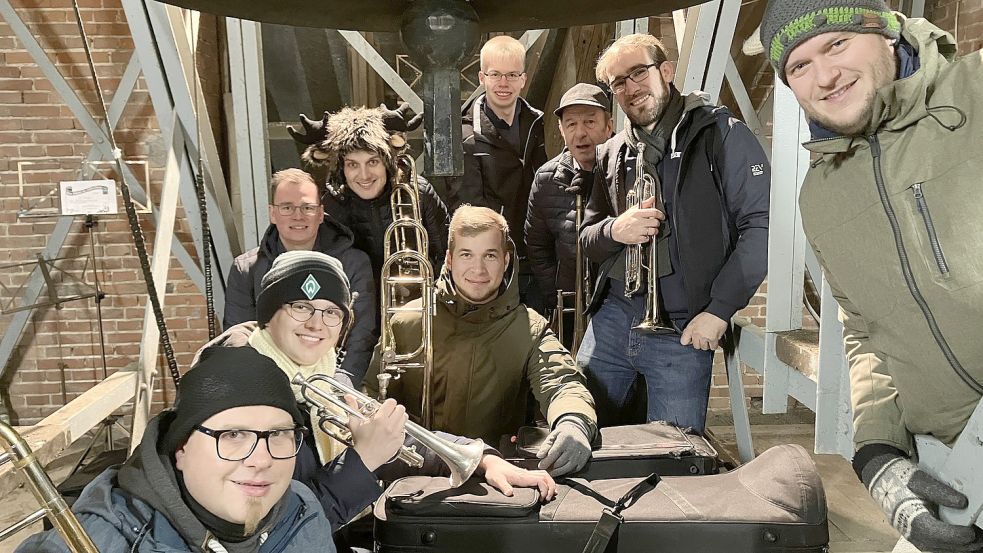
{"x": 384, "y": 379}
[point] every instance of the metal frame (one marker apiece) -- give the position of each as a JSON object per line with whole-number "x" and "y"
{"x": 161, "y": 51}
{"x": 382, "y": 67}
{"x": 100, "y": 149}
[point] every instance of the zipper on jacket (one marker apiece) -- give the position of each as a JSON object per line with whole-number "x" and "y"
{"x": 909, "y": 277}
{"x": 933, "y": 237}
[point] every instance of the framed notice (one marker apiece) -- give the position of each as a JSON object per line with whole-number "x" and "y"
{"x": 88, "y": 197}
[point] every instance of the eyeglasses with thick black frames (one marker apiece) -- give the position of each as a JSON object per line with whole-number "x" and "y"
{"x": 238, "y": 444}
{"x": 637, "y": 75}
{"x": 302, "y": 312}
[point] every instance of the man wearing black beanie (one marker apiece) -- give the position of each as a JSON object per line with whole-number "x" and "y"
{"x": 212, "y": 474}
{"x": 303, "y": 314}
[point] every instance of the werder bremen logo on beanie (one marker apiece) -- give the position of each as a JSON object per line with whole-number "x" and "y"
{"x": 310, "y": 287}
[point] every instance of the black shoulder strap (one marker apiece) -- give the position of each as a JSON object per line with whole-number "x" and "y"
{"x": 611, "y": 518}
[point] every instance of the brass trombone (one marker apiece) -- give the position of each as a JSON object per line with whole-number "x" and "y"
{"x": 580, "y": 293}
{"x": 407, "y": 265}
{"x": 462, "y": 459}
{"x": 643, "y": 188}
{"x": 52, "y": 504}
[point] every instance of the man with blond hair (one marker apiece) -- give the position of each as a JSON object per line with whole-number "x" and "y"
{"x": 710, "y": 235}
{"x": 891, "y": 206}
{"x": 297, "y": 222}
{"x": 490, "y": 350}
{"x": 504, "y": 145}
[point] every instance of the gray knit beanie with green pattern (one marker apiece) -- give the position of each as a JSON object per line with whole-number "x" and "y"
{"x": 788, "y": 23}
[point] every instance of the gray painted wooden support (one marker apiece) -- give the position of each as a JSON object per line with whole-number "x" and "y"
{"x": 786, "y": 242}
{"x": 252, "y": 157}
{"x": 703, "y": 57}
{"x": 382, "y": 67}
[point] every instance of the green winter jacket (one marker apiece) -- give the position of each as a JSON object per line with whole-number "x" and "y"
{"x": 486, "y": 359}
{"x": 896, "y": 220}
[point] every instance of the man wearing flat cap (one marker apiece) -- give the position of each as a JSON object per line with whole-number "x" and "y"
{"x": 560, "y": 186}
{"x": 893, "y": 210}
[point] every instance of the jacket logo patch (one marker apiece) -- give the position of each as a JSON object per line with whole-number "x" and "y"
{"x": 758, "y": 169}
{"x": 675, "y": 155}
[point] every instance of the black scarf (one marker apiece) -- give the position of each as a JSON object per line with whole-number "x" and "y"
{"x": 657, "y": 141}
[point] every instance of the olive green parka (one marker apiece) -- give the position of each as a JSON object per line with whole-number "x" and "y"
{"x": 486, "y": 360}
{"x": 896, "y": 219}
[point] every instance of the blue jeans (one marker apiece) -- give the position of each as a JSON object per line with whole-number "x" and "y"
{"x": 677, "y": 376}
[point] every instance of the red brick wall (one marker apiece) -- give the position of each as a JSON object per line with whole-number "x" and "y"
{"x": 34, "y": 123}
{"x": 962, "y": 18}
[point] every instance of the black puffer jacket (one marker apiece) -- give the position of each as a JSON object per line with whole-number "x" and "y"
{"x": 497, "y": 176}
{"x": 246, "y": 277}
{"x": 369, "y": 220}
{"x": 551, "y": 224}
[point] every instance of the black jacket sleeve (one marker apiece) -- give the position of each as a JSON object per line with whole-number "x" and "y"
{"x": 363, "y": 336}
{"x": 540, "y": 241}
{"x": 436, "y": 221}
{"x": 345, "y": 486}
{"x": 599, "y": 215}
{"x": 240, "y": 305}
{"x": 745, "y": 178}
{"x": 468, "y": 188}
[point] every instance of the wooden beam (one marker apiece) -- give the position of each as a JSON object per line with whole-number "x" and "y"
{"x": 49, "y": 438}
{"x": 144, "y": 387}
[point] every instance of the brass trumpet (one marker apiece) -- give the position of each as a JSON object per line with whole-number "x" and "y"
{"x": 52, "y": 504}
{"x": 645, "y": 187}
{"x": 407, "y": 265}
{"x": 462, "y": 459}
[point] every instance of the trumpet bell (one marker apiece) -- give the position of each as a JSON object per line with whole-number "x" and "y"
{"x": 464, "y": 460}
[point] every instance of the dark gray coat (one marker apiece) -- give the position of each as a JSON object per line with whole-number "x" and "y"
{"x": 246, "y": 277}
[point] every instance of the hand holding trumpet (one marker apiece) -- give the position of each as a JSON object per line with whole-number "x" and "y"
{"x": 379, "y": 437}
{"x": 637, "y": 225}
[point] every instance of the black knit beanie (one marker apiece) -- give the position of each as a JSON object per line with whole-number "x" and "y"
{"x": 788, "y": 23}
{"x": 224, "y": 378}
{"x": 303, "y": 275}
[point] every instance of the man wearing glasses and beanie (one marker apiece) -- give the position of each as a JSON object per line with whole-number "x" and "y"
{"x": 303, "y": 313}
{"x": 297, "y": 222}
{"x": 504, "y": 145}
{"x": 712, "y": 236}
{"x": 212, "y": 474}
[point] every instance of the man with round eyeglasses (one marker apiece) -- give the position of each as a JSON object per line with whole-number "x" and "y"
{"x": 303, "y": 313}
{"x": 298, "y": 223}
{"x": 504, "y": 146}
{"x": 211, "y": 474}
{"x": 710, "y": 235}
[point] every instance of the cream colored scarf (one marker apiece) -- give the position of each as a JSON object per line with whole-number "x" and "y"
{"x": 327, "y": 447}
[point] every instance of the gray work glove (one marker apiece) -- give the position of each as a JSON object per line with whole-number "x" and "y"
{"x": 566, "y": 449}
{"x": 910, "y": 497}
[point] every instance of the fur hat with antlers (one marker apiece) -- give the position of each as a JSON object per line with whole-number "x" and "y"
{"x": 377, "y": 130}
